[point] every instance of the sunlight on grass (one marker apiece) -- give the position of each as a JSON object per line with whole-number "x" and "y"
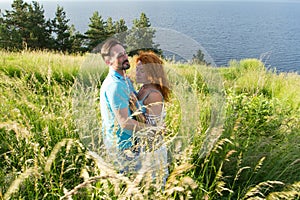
{"x": 232, "y": 132}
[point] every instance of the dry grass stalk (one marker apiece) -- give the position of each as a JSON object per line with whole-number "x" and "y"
{"x": 108, "y": 170}
{"x": 20, "y": 130}
{"x": 53, "y": 154}
{"x": 212, "y": 136}
{"x": 68, "y": 194}
{"x": 291, "y": 192}
{"x": 256, "y": 190}
{"x": 14, "y": 187}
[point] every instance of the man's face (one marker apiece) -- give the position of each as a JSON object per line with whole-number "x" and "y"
{"x": 119, "y": 57}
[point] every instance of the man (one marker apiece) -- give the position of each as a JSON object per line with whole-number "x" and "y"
{"x": 117, "y": 125}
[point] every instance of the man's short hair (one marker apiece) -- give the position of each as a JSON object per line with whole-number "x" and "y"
{"x": 108, "y": 44}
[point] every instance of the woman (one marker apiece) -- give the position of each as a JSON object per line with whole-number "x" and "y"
{"x": 154, "y": 92}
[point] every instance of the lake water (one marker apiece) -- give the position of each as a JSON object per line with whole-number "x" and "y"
{"x": 225, "y": 30}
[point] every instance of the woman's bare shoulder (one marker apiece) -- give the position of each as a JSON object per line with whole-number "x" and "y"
{"x": 153, "y": 97}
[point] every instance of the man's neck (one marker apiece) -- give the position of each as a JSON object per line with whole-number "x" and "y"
{"x": 121, "y": 72}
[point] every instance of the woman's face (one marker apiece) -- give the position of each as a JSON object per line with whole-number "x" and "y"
{"x": 140, "y": 73}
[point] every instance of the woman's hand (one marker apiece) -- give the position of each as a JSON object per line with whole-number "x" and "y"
{"x": 132, "y": 102}
{"x": 136, "y": 112}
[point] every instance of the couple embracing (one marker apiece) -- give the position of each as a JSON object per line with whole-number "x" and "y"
{"x": 133, "y": 122}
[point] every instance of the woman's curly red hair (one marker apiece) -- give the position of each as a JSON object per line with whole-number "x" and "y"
{"x": 153, "y": 66}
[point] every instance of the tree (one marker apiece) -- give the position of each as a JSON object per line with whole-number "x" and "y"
{"x": 143, "y": 22}
{"x": 63, "y": 40}
{"x": 199, "y": 58}
{"x": 14, "y": 24}
{"x": 77, "y": 40}
{"x": 40, "y": 33}
{"x": 96, "y": 32}
{"x": 6, "y": 35}
{"x": 109, "y": 28}
{"x": 141, "y": 36}
{"x": 120, "y": 26}
{"x": 27, "y": 24}
{"x": 120, "y": 30}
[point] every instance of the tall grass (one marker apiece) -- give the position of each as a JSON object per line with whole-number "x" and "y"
{"x": 232, "y": 132}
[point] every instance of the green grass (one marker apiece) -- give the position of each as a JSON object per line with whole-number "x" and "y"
{"x": 232, "y": 132}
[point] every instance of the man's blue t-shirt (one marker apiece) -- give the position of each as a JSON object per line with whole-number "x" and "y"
{"x": 115, "y": 94}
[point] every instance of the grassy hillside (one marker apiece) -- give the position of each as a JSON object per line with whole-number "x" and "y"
{"x": 233, "y": 133}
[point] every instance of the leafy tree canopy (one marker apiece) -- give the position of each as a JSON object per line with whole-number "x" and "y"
{"x": 140, "y": 37}
{"x": 25, "y": 27}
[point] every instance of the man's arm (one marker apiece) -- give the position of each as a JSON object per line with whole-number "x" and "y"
{"x": 127, "y": 123}
{"x": 119, "y": 98}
